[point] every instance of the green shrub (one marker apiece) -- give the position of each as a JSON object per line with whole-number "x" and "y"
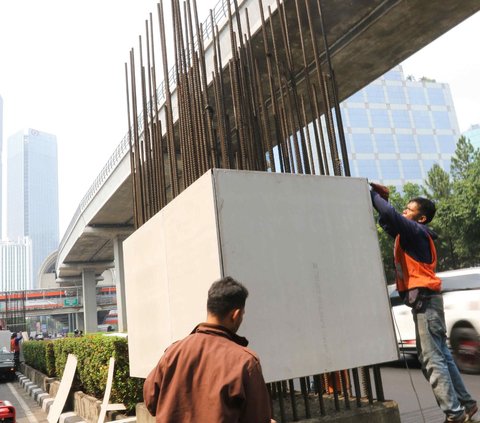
{"x": 93, "y": 354}
{"x": 50, "y": 359}
{"x": 35, "y": 354}
{"x": 62, "y": 347}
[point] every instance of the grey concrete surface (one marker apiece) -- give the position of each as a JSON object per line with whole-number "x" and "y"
{"x": 28, "y": 411}
{"x": 403, "y": 384}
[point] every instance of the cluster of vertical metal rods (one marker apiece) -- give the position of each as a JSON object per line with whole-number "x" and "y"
{"x": 250, "y": 115}
{"x": 323, "y": 394}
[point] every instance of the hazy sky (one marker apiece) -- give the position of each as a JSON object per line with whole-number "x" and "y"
{"x": 62, "y": 72}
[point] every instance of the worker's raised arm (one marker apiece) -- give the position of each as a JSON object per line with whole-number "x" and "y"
{"x": 391, "y": 221}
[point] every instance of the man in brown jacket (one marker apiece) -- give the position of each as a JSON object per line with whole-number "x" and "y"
{"x": 211, "y": 376}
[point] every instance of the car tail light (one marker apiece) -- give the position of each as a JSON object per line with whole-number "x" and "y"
{"x": 409, "y": 342}
{"x": 7, "y": 412}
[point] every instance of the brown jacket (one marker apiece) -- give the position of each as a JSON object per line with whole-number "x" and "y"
{"x": 208, "y": 377}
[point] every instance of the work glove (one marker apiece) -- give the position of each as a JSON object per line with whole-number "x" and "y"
{"x": 381, "y": 190}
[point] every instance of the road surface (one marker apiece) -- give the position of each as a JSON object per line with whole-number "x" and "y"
{"x": 28, "y": 411}
{"x": 400, "y": 384}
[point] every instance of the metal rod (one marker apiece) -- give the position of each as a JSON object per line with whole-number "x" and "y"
{"x": 344, "y": 383}
{"x": 293, "y": 401}
{"x": 280, "y": 401}
{"x": 168, "y": 106}
{"x": 132, "y": 155}
{"x": 151, "y": 130}
{"x": 306, "y": 400}
{"x": 159, "y": 163}
{"x": 333, "y": 85}
{"x": 317, "y": 380}
{"x": 377, "y": 377}
{"x": 367, "y": 383}
{"x": 356, "y": 384}
{"x": 333, "y": 379}
{"x": 273, "y": 94}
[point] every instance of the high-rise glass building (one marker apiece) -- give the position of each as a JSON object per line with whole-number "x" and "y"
{"x": 396, "y": 128}
{"x": 16, "y": 265}
{"x": 473, "y": 134}
{"x": 1, "y": 168}
{"x": 32, "y": 193}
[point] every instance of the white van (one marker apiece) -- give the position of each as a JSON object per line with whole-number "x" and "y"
{"x": 461, "y": 297}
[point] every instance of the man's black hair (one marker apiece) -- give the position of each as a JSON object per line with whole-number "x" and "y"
{"x": 226, "y": 295}
{"x": 425, "y": 207}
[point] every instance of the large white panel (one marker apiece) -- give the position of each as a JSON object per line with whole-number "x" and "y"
{"x": 170, "y": 262}
{"x": 306, "y": 247}
{"x": 148, "y": 311}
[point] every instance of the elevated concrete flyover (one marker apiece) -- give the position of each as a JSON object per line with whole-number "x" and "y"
{"x": 366, "y": 38}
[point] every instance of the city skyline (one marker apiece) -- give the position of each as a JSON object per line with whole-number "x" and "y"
{"x": 80, "y": 94}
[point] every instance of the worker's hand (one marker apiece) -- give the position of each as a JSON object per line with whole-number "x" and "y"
{"x": 273, "y": 421}
{"x": 381, "y": 190}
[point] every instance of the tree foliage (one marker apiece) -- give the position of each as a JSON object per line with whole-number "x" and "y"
{"x": 457, "y": 221}
{"x": 460, "y": 217}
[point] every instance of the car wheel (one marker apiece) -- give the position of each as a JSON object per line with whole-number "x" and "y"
{"x": 465, "y": 344}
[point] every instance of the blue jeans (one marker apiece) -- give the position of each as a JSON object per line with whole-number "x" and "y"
{"x": 437, "y": 362}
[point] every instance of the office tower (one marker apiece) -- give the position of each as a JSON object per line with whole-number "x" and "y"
{"x": 396, "y": 128}
{"x": 1, "y": 166}
{"x": 473, "y": 134}
{"x": 16, "y": 265}
{"x": 32, "y": 193}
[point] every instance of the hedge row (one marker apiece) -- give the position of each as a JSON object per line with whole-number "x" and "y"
{"x": 93, "y": 353}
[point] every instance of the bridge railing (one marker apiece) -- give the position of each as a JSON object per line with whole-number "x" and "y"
{"x": 49, "y": 299}
{"x": 220, "y": 14}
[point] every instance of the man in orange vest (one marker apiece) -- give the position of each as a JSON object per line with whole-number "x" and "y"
{"x": 15, "y": 348}
{"x": 415, "y": 261}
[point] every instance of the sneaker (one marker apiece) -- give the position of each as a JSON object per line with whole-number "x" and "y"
{"x": 457, "y": 419}
{"x": 471, "y": 410}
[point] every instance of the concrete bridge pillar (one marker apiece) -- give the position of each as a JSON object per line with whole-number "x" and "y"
{"x": 79, "y": 322}
{"x": 72, "y": 321}
{"x": 89, "y": 285}
{"x": 120, "y": 283}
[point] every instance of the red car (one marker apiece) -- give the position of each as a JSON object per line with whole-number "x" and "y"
{"x": 7, "y": 412}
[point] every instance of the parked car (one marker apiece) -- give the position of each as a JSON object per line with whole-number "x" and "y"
{"x": 461, "y": 297}
{"x": 7, "y": 412}
{"x": 7, "y": 358}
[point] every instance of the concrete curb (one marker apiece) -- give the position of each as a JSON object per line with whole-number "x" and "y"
{"x": 70, "y": 417}
{"x": 44, "y": 400}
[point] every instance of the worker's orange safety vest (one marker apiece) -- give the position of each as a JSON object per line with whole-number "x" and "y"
{"x": 14, "y": 347}
{"x": 412, "y": 274}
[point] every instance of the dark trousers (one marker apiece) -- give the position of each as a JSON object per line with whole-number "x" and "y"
{"x": 16, "y": 359}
